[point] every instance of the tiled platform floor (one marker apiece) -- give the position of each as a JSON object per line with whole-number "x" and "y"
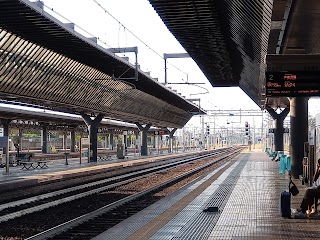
{"x": 247, "y": 194}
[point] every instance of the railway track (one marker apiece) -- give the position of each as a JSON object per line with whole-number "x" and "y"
{"x": 45, "y": 204}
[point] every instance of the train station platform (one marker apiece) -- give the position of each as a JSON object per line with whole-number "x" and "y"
{"x": 57, "y": 169}
{"x": 245, "y": 199}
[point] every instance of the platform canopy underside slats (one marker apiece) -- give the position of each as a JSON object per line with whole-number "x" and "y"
{"x": 227, "y": 39}
{"x": 43, "y": 63}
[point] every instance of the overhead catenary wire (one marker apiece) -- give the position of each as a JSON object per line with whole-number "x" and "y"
{"x": 125, "y": 29}
{"x": 139, "y": 39}
{"x": 120, "y": 25}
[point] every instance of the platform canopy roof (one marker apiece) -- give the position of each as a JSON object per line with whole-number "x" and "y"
{"x": 36, "y": 118}
{"x": 229, "y": 40}
{"x": 44, "y": 62}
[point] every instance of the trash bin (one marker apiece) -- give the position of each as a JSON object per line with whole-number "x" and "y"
{"x": 12, "y": 158}
{"x": 85, "y": 154}
{"x": 283, "y": 163}
{"x": 288, "y": 163}
{"x": 120, "y": 151}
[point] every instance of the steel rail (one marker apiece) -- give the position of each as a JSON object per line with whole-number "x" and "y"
{"x": 88, "y": 185}
{"x": 89, "y": 216}
{"x": 140, "y": 173}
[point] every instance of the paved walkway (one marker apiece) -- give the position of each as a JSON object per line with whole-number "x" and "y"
{"x": 247, "y": 195}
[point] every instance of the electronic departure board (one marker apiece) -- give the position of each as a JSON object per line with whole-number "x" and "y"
{"x": 292, "y": 84}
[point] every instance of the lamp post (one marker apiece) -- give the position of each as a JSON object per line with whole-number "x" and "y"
{"x": 202, "y": 132}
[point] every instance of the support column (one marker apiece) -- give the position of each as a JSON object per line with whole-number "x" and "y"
{"x": 154, "y": 140}
{"x": 299, "y": 133}
{"x": 144, "y": 145}
{"x": 125, "y": 141}
{"x": 5, "y": 124}
{"x": 202, "y": 133}
{"x": 64, "y": 141}
{"x": 106, "y": 141}
{"x": 183, "y": 140}
{"x": 111, "y": 139}
{"x": 44, "y": 138}
{"x": 136, "y": 145}
{"x": 20, "y": 139}
{"x": 73, "y": 141}
{"x": 92, "y": 125}
{"x": 171, "y": 132}
{"x": 278, "y": 131}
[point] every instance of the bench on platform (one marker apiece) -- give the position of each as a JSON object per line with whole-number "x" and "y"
{"x": 26, "y": 165}
{"x": 42, "y": 164}
{"x": 23, "y": 157}
{"x": 34, "y": 165}
{"x": 105, "y": 158}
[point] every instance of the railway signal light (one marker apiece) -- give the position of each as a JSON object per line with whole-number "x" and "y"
{"x": 247, "y": 128}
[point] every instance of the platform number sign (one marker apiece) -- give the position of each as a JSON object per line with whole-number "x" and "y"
{"x": 293, "y": 83}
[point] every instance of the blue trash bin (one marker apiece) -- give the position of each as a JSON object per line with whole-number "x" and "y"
{"x": 288, "y": 163}
{"x": 282, "y": 165}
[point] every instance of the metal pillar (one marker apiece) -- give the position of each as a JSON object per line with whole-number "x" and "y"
{"x": 172, "y": 55}
{"x": 299, "y": 133}
{"x": 202, "y": 133}
{"x": 154, "y": 141}
{"x": 20, "y": 139}
{"x": 278, "y": 132}
{"x": 106, "y": 141}
{"x": 183, "y": 140}
{"x": 144, "y": 145}
{"x": 44, "y": 138}
{"x": 128, "y": 49}
{"x": 111, "y": 139}
{"x": 73, "y": 141}
{"x": 171, "y": 132}
{"x": 65, "y": 141}
{"x": 125, "y": 141}
{"x": 136, "y": 133}
{"x": 92, "y": 125}
{"x": 5, "y": 124}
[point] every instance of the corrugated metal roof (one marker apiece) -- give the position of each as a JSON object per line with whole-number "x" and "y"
{"x": 227, "y": 39}
{"x": 44, "y": 62}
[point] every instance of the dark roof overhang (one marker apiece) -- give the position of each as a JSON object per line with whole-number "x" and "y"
{"x": 293, "y": 40}
{"x": 28, "y": 21}
{"x": 227, "y": 39}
